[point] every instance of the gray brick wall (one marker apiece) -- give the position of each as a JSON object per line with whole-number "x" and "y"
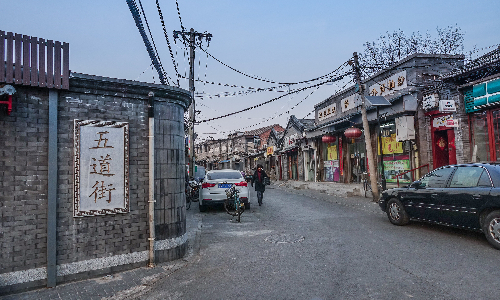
{"x": 24, "y": 179}
{"x": 94, "y": 237}
{"x": 23, "y": 173}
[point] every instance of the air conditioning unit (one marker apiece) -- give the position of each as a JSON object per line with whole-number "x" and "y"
{"x": 405, "y": 128}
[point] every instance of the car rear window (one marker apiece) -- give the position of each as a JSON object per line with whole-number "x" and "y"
{"x": 466, "y": 177}
{"x": 224, "y": 175}
{"x": 437, "y": 178}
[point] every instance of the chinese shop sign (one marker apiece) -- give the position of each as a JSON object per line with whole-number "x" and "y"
{"x": 388, "y": 86}
{"x": 350, "y": 102}
{"x": 395, "y": 167}
{"x": 390, "y": 145}
{"x": 332, "y": 152}
{"x": 327, "y": 112}
{"x": 101, "y": 164}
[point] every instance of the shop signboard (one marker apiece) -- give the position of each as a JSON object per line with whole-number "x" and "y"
{"x": 291, "y": 140}
{"x": 350, "y": 102}
{"x": 332, "y": 152}
{"x": 447, "y": 106}
{"x": 388, "y": 86}
{"x": 328, "y": 166}
{"x": 390, "y": 145}
{"x": 270, "y": 150}
{"x": 336, "y": 170}
{"x": 394, "y": 167}
{"x": 327, "y": 112}
{"x": 430, "y": 101}
{"x": 445, "y": 121}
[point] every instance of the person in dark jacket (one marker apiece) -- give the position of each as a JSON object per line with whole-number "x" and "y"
{"x": 258, "y": 179}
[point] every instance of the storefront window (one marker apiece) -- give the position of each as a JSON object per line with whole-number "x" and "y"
{"x": 358, "y": 158}
{"x": 395, "y": 157}
{"x": 480, "y": 140}
{"x": 330, "y": 157}
{"x": 496, "y": 132}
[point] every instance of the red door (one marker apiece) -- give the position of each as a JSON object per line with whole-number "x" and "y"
{"x": 452, "y": 150}
{"x": 444, "y": 150}
{"x": 280, "y": 169}
{"x": 440, "y": 145}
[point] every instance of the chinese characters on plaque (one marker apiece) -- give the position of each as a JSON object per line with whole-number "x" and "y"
{"x": 350, "y": 102}
{"x": 388, "y": 86}
{"x": 101, "y": 168}
{"x": 327, "y": 112}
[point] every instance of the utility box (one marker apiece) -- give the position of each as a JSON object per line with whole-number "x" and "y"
{"x": 405, "y": 128}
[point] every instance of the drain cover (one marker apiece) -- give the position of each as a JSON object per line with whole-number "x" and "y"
{"x": 284, "y": 238}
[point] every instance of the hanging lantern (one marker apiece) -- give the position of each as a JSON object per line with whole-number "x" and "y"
{"x": 328, "y": 139}
{"x": 352, "y": 133}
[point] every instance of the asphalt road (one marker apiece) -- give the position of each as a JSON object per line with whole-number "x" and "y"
{"x": 308, "y": 245}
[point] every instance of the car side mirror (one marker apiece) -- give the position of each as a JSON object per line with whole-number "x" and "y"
{"x": 416, "y": 184}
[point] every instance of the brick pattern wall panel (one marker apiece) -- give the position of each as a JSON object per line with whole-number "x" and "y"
{"x": 23, "y": 177}
{"x": 86, "y": 246}
{"x": 93, "y": 237}
{"x": 170, "y": 209}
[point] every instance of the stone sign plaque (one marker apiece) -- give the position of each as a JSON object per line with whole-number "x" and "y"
{"x": 101, "y": 162}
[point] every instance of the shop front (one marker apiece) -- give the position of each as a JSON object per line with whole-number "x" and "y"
{"x": 395, "y": 156}
{"x": 292, "y": 159}
{"x": 330, "y": 158}
{"x": 484, "y": 121}
{"x": 356, "y": 154}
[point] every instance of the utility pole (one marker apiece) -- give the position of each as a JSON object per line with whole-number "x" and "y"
{"x": 190, "y": 37}
{"x": 366, "y": 129}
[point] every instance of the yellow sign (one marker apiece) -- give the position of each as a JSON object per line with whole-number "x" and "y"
{"x": 332, "y": 152}
{"x": 390, "y": 145}
{"x": 270, "y": 150}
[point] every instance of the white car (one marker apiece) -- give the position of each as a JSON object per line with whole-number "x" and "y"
{"x": 214, "y": 186}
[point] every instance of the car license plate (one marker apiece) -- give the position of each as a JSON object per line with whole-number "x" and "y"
{"x": 224, "y": 185}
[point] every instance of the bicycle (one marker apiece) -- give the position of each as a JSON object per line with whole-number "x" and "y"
{"x": 188, "y": 196}
{"x": 367, "y": 186}
{"x": 232, "y": 204}
{"x": 192, "y": 193}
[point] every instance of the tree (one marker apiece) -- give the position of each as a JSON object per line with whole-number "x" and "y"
{"x": 392, "y": 47}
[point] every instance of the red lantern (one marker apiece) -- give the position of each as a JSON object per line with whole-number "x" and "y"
{"x": 353, "y": 133}
{"x": 328, "y": 138}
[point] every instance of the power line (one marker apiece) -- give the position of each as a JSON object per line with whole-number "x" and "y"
{"x": 168, "y": 41}
{"x": 179, "y": 13}
{"x": 266, "y": 80}
{"x": 274, "y": 99}
{"x": 279, "y": 115}
{"x": 255, "y": 90}
{"x": 138, "y": 22}
{"x": 153, "y": 41}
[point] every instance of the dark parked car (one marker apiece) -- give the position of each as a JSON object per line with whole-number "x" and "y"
{"x": 464, "y": 196}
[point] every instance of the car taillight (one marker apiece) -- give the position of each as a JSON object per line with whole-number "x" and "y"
{"x": 207, "y": 185}
{"x": 243, "y": 183}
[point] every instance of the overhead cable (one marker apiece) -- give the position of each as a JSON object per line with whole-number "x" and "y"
{"x": 138, "y": 22}
{"x": 168, "y": 41}
{"x": 266, "y": 80}
{"x": 274, "y": 99}
{"x": 179, "y": 13}
{"x": 153, "y": 41}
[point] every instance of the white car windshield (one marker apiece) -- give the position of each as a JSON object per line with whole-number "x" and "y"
{"x": 223, "y": 175}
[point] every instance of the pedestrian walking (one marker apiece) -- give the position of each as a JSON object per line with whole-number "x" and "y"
{"x": 260, "y": 182}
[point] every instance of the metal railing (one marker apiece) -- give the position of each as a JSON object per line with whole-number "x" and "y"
{"x": 412, "y": 172}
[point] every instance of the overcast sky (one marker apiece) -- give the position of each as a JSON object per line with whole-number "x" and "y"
{"x": 281, "y": 41}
